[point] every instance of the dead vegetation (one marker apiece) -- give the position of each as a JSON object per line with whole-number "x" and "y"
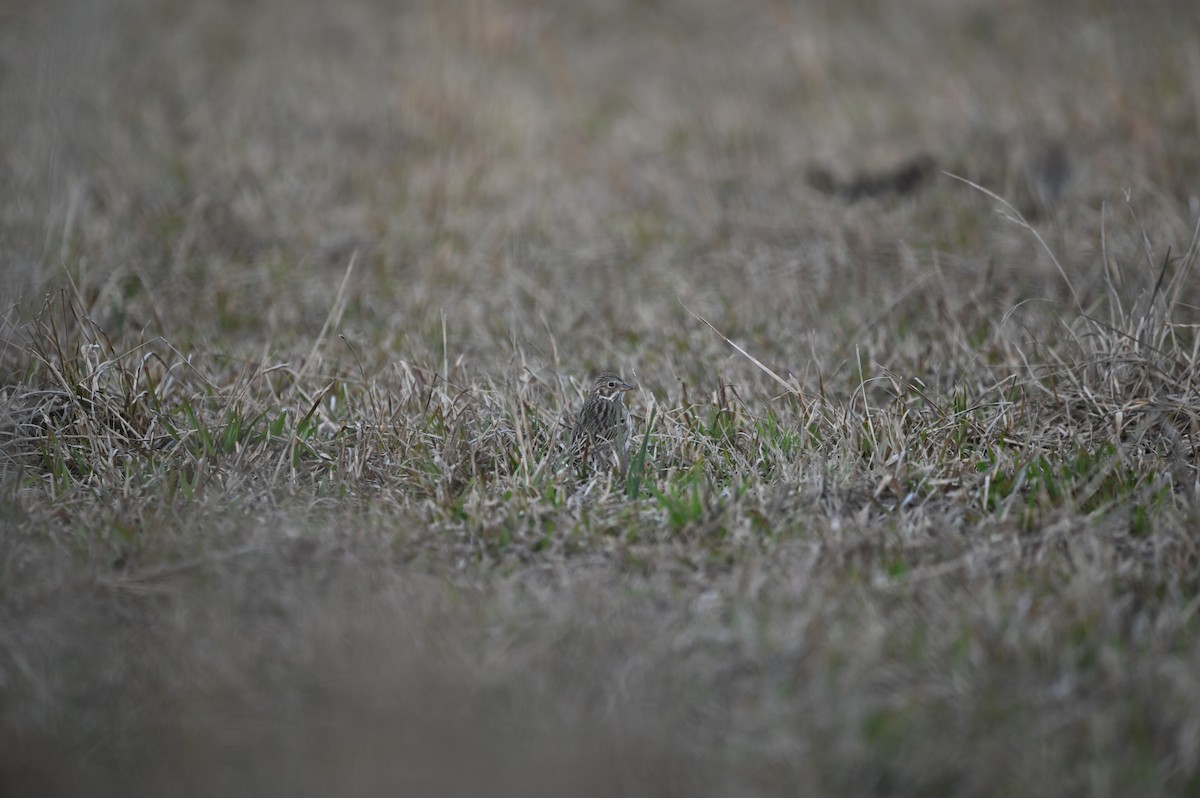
{"x": 301, "y": 298}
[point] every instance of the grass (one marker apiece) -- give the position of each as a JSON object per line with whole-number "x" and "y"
{"x": 300, "y": 301}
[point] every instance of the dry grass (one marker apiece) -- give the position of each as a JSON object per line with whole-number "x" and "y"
{"x": 298, "y": 300}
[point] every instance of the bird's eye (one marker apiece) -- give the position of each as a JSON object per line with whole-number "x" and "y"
{"x": 612, "y": 383}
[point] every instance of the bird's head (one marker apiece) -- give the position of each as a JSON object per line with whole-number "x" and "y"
{"x": 610, "y": 385}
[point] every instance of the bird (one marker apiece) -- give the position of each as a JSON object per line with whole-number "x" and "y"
{"x": 603, "y": 427}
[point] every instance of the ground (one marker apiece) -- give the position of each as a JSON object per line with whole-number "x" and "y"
{"x": 301, "y": 298}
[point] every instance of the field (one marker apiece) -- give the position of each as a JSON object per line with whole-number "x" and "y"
{"x": 300, "y": 300}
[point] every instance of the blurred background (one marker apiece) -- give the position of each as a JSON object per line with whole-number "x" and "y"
{"x": 568, "y": 170}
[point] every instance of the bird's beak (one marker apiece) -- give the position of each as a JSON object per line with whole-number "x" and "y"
{"x": 627, "y": 387}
